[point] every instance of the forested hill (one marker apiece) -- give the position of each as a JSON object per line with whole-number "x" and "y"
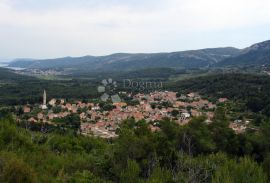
{"x": 8, "y": 75}
{"x": 21, "y": 89}
{"x": 255, "y": 55}
{"x": 254, "y": 90}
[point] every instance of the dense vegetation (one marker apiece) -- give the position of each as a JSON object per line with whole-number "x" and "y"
{"x": 150, "y": 73}
{"x": 251, "y": 89}
{"x": 19, "y": 89}
{"x": 194, "y": 153}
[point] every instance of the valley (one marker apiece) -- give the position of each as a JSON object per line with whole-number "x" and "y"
{"x": 111, "y": 118}
{"x": 134, "y": 91}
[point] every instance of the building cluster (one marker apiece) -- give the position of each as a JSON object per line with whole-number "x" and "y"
{"x": 151, "y": 107}
{"x": 38, "y": 72}
{"x": 239, "y": 126}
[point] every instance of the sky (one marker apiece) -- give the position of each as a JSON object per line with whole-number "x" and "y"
{"x": 58, "y": 28}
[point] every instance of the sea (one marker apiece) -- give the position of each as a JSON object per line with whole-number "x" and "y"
{"x": 5, "y": 65}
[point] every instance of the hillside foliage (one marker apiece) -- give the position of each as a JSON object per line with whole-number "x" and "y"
{"x": 196, "y": 152}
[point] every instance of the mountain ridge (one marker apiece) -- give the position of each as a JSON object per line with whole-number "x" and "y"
{"x": 256, "y": 54}
{"x": 133, "y": 61}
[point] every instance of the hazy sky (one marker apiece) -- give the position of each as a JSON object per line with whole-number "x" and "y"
{"x": 56, "y": 28}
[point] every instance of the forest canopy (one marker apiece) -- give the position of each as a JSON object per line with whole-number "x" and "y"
{"x": 196, "y": 152}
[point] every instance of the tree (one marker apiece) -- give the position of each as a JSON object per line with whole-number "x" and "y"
{"x": 255, "y": 104}
{"x": 56, "y": 109}
{"x": 175, "y": 113}
{"x": 108, "y": 107}
{"x": 224, "y": 137}
{"x": 131, "y": 173}
{"x": 199, "y": 135}
{"x": 198, "y": 169}
{"x": 246, "y": 171}
{"x": 160, "y": 175}
{"x": 85, "y": 177}
{"x": 266, "y": 164}
{"x": 220, "y": 115}
{"x": 266, "y": 110}
{"x": 15, "y": 170}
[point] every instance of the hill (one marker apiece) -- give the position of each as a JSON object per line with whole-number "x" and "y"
{"x": 255, "y": 55}
{"x": 124, "y": 61}
{"x": 253, "y": 90}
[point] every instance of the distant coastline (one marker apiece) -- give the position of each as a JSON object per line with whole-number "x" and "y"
{"x": 5, "y": 65}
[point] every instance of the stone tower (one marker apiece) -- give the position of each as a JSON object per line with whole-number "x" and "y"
{"x": 44, "y": 97}
{"x": 44, "y": 105}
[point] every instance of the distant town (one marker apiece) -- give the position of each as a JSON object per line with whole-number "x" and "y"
{"x": 103, "y": 121}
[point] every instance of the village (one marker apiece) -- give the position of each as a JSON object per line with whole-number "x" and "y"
{"x": 103, "y": 122}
